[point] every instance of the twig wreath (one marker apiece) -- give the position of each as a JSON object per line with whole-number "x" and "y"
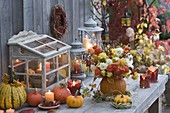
{"x": 58, "y": 21}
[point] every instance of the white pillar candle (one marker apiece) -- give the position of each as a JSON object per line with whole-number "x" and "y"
{"x": 87, "y": 42}
{"x": 49, "y": 96}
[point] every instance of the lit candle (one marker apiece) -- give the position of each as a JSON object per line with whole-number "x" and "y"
{"x": 74, "y": 85}
{"x": 10, "y": 110}
{"x": 47, "y": 66}
{"x": 17, "y": 61}
{"x": 39, "y": 70}
{"x": 76, "y": 66}
{"x": 49, "y": 96}
{"x": 144, "y": 81}
{"x": 87, "y": 42}
{"x": 1, "y": 111}
{"x": 153, "y": 72}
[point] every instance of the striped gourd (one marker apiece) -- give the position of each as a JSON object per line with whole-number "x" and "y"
{"x": 12, "y": 95}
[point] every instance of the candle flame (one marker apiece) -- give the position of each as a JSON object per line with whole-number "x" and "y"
{"x": 74, "y": 83}
{"x": 46, "y": 80}
{"x": 59, "y": 56}
{"x": 40, "y": 66}
{"x": 49, "y": 91}
{"x": 17, "y": 60}
{"x": 86, "y": 36}
{"x": 152, "y": 68}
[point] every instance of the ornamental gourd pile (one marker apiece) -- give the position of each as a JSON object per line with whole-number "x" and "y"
{"x": 12, "y": 93}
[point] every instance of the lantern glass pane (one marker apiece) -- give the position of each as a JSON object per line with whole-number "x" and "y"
{"x": 77, "y": 67}
{"x": 51, "y": 64}
{"x": 57, "y": 45}
{"x": 46, "y": 40}
{"x": 19, "y": 65}
{"x": 45, "y": 49}
{"x": 35, "y": 81}
{"x": 63, "y": 59}
{"x": 33, "y": 44}
{"x": 34, "y": 67}
{"x": 51, "y": 79}
{"x": 63, "y": 73}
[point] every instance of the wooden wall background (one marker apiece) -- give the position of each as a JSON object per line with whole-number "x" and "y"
{"x": 18, "y": 15}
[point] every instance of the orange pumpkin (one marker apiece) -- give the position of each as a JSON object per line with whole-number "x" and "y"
{"x": 74, "y": 101}
{"x": 61, "y": 93}
{"x": 107, "y": 85}
{"x": 34, "y": 98}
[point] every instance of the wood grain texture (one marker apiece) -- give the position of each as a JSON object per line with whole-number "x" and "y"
{"x": 11, "y": 22}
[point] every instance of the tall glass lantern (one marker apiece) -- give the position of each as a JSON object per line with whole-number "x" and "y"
{"x": 77, "y": 62}
{"x": 90, "y": 34}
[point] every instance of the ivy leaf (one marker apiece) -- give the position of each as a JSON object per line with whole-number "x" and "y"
{"x": 138, "y": 26}
{"x": 145, "y": 25}
{"x": 140, "y": 31}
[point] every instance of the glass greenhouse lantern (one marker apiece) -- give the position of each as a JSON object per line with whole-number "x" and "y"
{"x": 77, "y": 63}
{"x": 39, "y": 61}
{"x": 90, "y": 34}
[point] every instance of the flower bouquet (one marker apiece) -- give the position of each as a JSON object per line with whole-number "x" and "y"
{"x": 112, "y": 65}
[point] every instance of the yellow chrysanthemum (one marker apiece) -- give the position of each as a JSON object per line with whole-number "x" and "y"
{"x": 109, "y": 74}
{"x": 133, "y": 52}
{"x": 102, "y": 56}
{"x": 122, "y": 61}
{"x": 135, "y": 76}
{"x": 113, "y": 51}
{"x": 104, "y": 3}
{"x": 103, "y": 73}
{"x": 139, "y": 58}
{"x": 147, "y": 50}
{"x": 161, "y": 48}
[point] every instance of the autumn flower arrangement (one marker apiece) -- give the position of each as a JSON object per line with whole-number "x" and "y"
{"x": 112, "y": 63}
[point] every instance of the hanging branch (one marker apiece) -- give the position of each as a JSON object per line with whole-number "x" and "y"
{"x": 151, "y": 3}
{"x": 96, "y": 16}
{"x": 95, "y": 7}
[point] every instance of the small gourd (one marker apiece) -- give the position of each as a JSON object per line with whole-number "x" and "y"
{"x": 122, "y": 99}
{"x": 75, "y": 101}
{"x": 34, "y": 98}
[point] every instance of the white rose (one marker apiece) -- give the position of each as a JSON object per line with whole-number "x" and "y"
{"x": 103, "y": 66}
{"x": 130, "y": 32}
{"x": 116, "y": 58}
{"x": 119, "y": 51}
{"x": 109, "y": 61}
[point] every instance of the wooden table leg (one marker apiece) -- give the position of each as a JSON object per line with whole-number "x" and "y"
{"x": 156, "y": 107}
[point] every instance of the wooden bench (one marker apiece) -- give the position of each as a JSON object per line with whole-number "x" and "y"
{"x": 143, "y": 99}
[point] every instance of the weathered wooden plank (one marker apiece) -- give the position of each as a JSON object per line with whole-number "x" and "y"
{"x": 81, "y": 13}
{"x": 69, "y": 33}
{"x": 75, "y": 18}
{"x": 28, "y": 15}
{"x": 38, "y": 16}
{"x": 17, "y": 16}
{"x": 6, "y": 32}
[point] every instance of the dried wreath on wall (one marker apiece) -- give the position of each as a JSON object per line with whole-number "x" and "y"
{"x": 58, "y": 22}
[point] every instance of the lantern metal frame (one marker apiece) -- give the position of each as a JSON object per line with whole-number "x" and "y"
{"x": 90, "y": 27}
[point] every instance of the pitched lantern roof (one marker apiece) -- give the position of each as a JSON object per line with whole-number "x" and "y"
{"x": 42, "y": 45}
